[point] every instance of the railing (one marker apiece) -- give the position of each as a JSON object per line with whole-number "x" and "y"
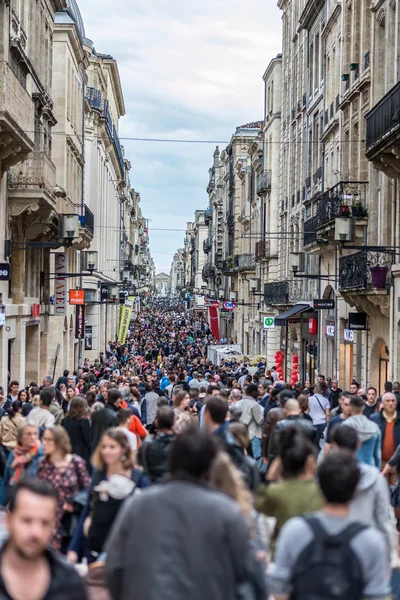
{"x": 348, "y": 196}
{"x": 95, "y": 98}
{"x": 384, "y": 117}
{"x": 365, "y": 270}
{"x": 310, "y": 231}
{"x": 36, "y": 171}
{"x": 119, "y": 151}
{"x": 16, "y": 105}
{"x": 280, "y": 293}
{"x": 87, "y": 219}
{"x": 230, "y": 265}
{"x": 208, "y": 271}
{"x": 107, "y": 116}
{"x": 264, "y": 183}
{"x": 246, "y": 262}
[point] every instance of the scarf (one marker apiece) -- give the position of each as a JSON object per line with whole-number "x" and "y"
{"x": 22, "y": 458}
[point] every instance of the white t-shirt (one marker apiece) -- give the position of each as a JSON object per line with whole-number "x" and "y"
{"x": 132, "y": 439}
{"x": 317, "y": 405}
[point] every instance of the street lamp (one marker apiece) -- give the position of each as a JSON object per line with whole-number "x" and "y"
{"x": 90, "y": 260}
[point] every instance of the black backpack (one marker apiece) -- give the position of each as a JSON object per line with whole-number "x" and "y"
{"x": 327, "y": 568}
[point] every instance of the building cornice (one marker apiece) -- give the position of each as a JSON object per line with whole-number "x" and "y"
{"x": 310, "y": 13}
{"x": 116, "y": 83}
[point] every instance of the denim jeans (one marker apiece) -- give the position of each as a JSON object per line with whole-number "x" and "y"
{"x": 256, "y": 448}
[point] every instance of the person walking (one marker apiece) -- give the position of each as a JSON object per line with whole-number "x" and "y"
{"x": 40, "y": 416}
{"x": 105, "y": 418}
{"x": 388, "y": 421}
{"x": 68, "y": 475}
{"x": 150, "y": 403}
{"x": 28, "y": 569}
{"x": 319, "y": 407}
{"x": 154, "y": 453}
{"x": 368, "y": 432}
{"x": 9, "y": 426}
{"x": 183, "y": 417}
{"x": 328, "y": 554}
{"x": 77, "y": 425}
{"x": 181, "y": 522}
{"x": 253, "y": 417}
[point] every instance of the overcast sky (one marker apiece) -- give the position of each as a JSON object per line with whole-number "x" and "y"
{"x": 189, "y": 70}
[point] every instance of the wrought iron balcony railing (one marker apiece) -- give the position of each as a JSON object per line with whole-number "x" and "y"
{"x": 246, "y": 262}
{"x": 264, "y": 183}
{"x": 280, "y": 293}
{"x": 94, "y": 97}
{"x": 230, "y": 265}
{"x": 87, "y": 220}
{"x": 365, "y": 270}
{"x": 383, "y": 119}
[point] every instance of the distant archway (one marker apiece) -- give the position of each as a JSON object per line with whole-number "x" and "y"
{"x": 380, "y": 364}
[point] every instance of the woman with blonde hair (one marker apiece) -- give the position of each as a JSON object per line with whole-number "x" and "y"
{"x": 67, "y": 474}
{"x": 115, "y": 477}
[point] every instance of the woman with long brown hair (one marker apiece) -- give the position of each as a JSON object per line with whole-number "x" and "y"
{"x": 77, "y": 425}
{"x": 67, "y": 474}
{"x": 183, "y": 417}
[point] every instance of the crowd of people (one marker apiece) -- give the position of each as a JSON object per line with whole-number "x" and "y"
{"x": 152, "y": 473}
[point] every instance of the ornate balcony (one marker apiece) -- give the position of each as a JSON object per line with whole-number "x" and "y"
{"x": 383, "y": 134}
{"x": 282, "y": 293}
{"x": 246, "y": 262}
{"x": 207, "y": 246}
{"x": 230, "y": 265}
{"x": 17, "y": 118}
{"x": 208, "y": 216}
{"x": 208, "y": 272}
{"x": 264, "y": 183}
{"x": 263, "y": 250}
{"x": 365, "y": 272}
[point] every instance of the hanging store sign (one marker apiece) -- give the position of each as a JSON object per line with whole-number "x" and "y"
{"x": 323, "y": 304}
{"x": 35, "y": 311}
{"x": 80, "y": 322}
{"x": 358, "y": 321}
{"x": 312, "y": 326}
{"x": 330, "y": 330}
{"x": 348, "y": 336}
{"x": 88, "y": 337}
{"x": 60, "y": 292}
{"x": 4, "y": 271}
{"x": 125, "y": 319}
{"x": 229, "y": 305}
{"x": 76, "y": 297}
{"x": 269, "y": 322}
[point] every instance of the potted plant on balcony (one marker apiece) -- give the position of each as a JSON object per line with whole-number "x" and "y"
{"x": 344, "y": 210}
{"x": 357, "y": 209}
{"x": 378, "y": 276}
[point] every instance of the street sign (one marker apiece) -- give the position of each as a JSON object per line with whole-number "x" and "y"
{"x": 76, "y": 297}
{"x": 269, "y": 322}
{"x": 61, "y": 267}
{"x": 323, "y": 304}
{"x": 4, "y": 271}
{"x": 229, "y": 305}
{"x": 358, "y": 321}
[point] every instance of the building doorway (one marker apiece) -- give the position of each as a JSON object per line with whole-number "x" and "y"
{"x": 380, "y": 365}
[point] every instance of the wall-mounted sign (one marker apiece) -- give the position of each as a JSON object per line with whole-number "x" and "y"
{"x": 348, "y": 335}
{"x": 76, "y": 297}
{"x": 330, "y": 330}
{"x": 4, "y": 271}
{"x": 323, "y": 304}
{"x": 60, "y": 292}
{"x": 229, "y": 305}
{"x": 35, "y": 310}
{"x": 312, "y": 326}
{"x": 88, "y": 337}
{"x": 269, "y": 322}
{"x": 80, "y": 322}
{"x": 2, "y": 319}
{"x": 358, "y": 321}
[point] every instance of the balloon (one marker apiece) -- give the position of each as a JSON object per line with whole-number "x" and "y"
{"x": 295, "y": 359}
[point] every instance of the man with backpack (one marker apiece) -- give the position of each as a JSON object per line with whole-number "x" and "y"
{"x": 328, "y": 554}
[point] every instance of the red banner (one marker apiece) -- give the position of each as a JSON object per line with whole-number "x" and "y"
{"x": 214, "y": 321}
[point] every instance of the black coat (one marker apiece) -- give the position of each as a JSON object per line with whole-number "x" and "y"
{"x": 66, "y": 583}
{"x": 154, "y": 456}
{"x": 79, "y": 432}
{"x": 102, "y": 420}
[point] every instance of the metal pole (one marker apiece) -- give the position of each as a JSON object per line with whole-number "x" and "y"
{"x": 105, "y": 328}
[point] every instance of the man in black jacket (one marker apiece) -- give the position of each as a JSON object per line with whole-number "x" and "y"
{"x": 28, "y": 569}
{"x": 105, "y": 418}
{"x": 154, "y": 454}
{"x": 293, "y": 416}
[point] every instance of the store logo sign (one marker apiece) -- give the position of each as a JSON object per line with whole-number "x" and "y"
{"x": 269, "y": 322}
{"x": 348, "y": 335}
{"x": 330, "y": 330}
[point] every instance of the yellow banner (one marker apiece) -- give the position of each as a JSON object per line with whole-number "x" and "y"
{"x": 125, "y": 319}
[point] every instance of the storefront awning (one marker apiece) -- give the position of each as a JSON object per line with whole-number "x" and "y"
{"x": 282, "y": 319}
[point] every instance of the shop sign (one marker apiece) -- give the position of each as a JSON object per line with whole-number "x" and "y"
{"x": 312, "y": 326}
{"x": 348, "y": 335}
{"x": 269, "y": 322}
{"x": 323, "y": 304}
{"x": 60, "y": 301}
{"x": 229, "y": 305}
{"x": 80, "y": 322}
{"x": 35, "y": 310}
{"x": 358, "y": 321}
{"x": 76, "y": 297}
{"x": 4, "y": 271}
{"x": 330, "y": 330}
{"x": 88, "y": 337}
{"x": 2, "y": 319}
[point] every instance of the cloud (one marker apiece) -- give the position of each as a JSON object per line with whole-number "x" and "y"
{"x": 189, "y": 70}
